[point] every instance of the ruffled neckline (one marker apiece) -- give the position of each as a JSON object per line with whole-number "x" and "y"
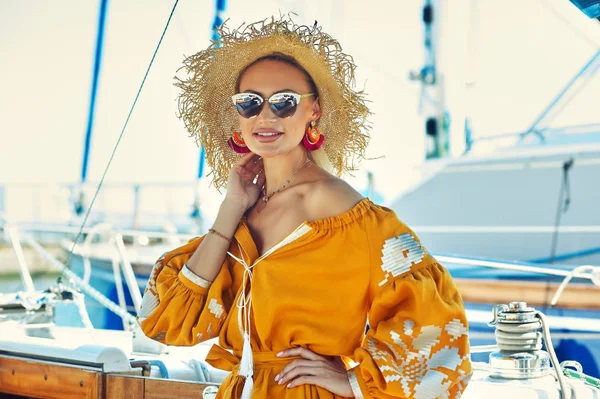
{"x": 343, "y": 219}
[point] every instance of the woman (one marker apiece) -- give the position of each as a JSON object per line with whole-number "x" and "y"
{"x": 297, "y": 263}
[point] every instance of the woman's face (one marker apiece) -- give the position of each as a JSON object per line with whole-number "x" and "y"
{"x": 266, "y": 78}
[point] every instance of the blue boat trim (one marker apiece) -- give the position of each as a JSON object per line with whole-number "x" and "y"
{"x": 94, "y": 91}
{"x": 570, "y": 255}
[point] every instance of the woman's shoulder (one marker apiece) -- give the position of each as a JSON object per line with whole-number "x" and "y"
{"x": 330, "y": 197}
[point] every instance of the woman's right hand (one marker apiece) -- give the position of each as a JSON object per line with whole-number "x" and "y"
{"x": 241, "y": 188}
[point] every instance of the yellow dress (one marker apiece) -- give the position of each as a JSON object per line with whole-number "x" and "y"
{"x": 320, "y": 288}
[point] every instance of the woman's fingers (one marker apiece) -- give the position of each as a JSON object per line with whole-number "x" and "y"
{"x": 308, "y": 380}
{"x": 261, "y": 180}
{"x": 309, "y": 359}
{"x": 250, "y": 170}
{"x": 294, "y": 365}
{"x": 302, "y": 352}
{"x": 312, "y": 368}
{"x": 256, "y": 166}
{"x": 246, "y": 158}
{"x": 327, "y": 372}
{"x": 249, "y": 167}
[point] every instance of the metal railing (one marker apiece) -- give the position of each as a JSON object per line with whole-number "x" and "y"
{"x": 17, "y": 237}
{"x": 115, "y": 238}
{"x": 588, "y": 272}
{"x": 135, "y": 206}
{"x": 542, "y": 134}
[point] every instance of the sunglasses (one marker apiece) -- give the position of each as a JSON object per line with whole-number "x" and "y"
{"x": 283, "y": 104}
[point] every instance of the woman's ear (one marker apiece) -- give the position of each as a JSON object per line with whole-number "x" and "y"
{"x": 316, "y": 111}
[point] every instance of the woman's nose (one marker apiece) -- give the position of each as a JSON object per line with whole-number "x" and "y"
{"x": 266, "y": 113}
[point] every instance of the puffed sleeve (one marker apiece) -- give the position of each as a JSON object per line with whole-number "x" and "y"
{"x": 417, "y": 345}
{"x": 180, "y": 308}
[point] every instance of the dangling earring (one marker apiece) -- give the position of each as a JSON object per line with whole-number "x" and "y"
{"x": 313, "y": 139}
{"x": 237, "y": 144}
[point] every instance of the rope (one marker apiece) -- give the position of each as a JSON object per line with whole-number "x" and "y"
{"x": 554, "y": 358}
{"x": 79, "y": 300}
{"x": 89, "y": 290}
{"x": 564, "y": 200}
{"x": 518, "y": 336}
{"x": 114, "y": 151}
{"x": 595, "y": 277}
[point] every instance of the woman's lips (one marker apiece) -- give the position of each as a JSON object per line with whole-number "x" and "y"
{"x": 267, "y": 135}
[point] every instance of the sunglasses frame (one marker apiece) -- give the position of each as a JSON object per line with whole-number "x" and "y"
{"x": 297, "y": 97}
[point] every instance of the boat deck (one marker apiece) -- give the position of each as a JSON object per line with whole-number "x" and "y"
{"x": 44, "y": 379}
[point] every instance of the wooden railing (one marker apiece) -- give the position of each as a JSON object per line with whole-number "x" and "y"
{"x": 43, "y": 379}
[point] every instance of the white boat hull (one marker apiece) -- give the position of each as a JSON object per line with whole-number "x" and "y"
{"x": 505, "y": 207}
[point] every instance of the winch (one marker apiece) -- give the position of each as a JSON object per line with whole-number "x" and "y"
{"x": 519, "y": 339}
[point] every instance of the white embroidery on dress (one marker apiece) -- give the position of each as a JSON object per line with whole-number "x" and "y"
{"x": 456, "y": 329}
{"x": 428, "y": 338}
{"x": 376, "y": 353}
{"x": 194, "y": 278}
{"x": 209, "y": 330}
{"x": 149, "y": 304}
{"x": 416, "y": 365}
{"x": 400, "y": 254}
{"x": 150, "y": 298}
{"x": 216, "y": 308}
{"x": 354, "y": 384}
{"x": 408, "y": 327}
{"x": 463, "y": 381}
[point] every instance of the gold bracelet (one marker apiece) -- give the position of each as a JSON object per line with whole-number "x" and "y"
{"x": 215, "y": 232}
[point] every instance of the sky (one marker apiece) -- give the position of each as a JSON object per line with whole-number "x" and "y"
{"x": 516, "y": 55}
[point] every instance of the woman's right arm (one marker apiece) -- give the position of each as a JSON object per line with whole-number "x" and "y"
{"x": 190, "y": 289}
{"x": 207, "y": 260}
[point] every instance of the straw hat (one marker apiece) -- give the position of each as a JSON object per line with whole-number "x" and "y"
{"x": 209, "y": 115}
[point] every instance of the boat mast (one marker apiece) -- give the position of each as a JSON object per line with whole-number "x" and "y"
{"x": 196, "y": 214}
{"x": 79, "y": 203}
{"x": 432, "y": 102}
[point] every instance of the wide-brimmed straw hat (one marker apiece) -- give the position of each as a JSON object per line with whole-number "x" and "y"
{"x": 210, "y": 116}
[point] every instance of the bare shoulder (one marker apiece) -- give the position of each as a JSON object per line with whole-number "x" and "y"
{"x": 330, "y": 197}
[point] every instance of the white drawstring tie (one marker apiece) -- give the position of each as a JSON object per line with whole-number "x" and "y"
{"x": 244, "y": 304}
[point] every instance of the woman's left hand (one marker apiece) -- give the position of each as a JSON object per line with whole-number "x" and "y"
{"x": 327, "y": 372}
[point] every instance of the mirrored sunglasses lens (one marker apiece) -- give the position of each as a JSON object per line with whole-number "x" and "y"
{"x": 248, "y": 106}
{"x": 283, "y": 105}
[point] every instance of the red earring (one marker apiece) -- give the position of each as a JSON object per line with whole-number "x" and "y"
{"x": 237, "y": 144}
{"x": 313, "y": 139}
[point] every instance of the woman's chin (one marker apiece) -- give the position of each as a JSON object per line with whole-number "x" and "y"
{"x": 270, "y": 151}
{"x": 267, "y": 153}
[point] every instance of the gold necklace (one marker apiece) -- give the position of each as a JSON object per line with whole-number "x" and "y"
{"x": 284, "y": 185}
